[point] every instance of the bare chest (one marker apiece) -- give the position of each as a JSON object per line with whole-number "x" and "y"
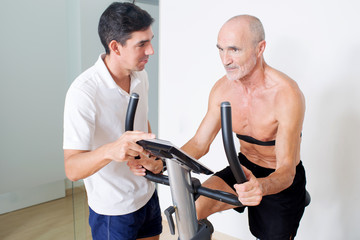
{"x": 254, "y": 116}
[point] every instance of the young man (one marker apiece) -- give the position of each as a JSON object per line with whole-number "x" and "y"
{"x": 96, "y": 146}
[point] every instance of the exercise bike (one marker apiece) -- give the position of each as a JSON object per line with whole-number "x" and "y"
{"x": 184, "y": 188}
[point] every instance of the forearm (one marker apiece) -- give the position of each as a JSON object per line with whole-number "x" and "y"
{"x": 278, "y": 181}
{"x": 81, "y": 164}
{"x": 194, "y": 149}
{"x": 85, "y": 163}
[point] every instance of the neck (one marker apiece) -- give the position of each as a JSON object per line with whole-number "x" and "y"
{"x": 120, "y": 75}
{"x": 255, "y": 78}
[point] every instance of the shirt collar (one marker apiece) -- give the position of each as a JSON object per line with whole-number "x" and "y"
{"x": 109, "y": 81}
{"x": 104, "y": 73}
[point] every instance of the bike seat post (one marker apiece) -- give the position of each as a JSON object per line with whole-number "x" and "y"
{"x": 183, "y": 199}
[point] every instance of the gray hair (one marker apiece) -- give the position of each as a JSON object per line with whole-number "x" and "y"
{"x": 255, "y": 26}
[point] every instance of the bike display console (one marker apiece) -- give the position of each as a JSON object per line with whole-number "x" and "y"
{"x": 166, "y": 150}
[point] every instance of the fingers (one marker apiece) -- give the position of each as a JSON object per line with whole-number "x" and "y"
{"x": 250, "y": 196}
{"x": 135, "y": 136}
{"x": 249, "y": 193}
{"x": 125, "y": 148}
{"x": 136, "y": 168}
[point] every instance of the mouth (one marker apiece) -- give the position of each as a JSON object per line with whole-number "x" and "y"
{"x": 144, "y": 60}
{"x": 230, "y": 69}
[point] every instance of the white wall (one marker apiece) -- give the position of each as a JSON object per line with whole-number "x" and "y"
{"x": 317, "y": 43}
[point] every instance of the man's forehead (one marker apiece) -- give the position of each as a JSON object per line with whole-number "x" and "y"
{"x": 232, "y": 36}
{"x": 142, "y": 35}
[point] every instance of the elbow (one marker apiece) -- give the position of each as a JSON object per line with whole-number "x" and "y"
{"x": 70, "y": 173}
{"x": 71, "y": 176}
{"x": 205, "y": 150}
{"x": 202, "y": 152}
{"x": 291, "y": 177}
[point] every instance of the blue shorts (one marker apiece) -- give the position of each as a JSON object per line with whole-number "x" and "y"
{"x": 143, "y": 223}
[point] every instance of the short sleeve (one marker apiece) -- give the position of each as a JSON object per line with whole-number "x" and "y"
{"x": 79, "y": 119}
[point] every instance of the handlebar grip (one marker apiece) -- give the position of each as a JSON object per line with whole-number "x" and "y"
{"x": 130, "y": 113}
{"x": 220, "y": 196}
{"x": 228, "y": 141}
{"x": 158, "y": 178}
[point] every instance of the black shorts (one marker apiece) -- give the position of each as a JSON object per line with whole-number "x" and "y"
{"x": 278, "y": 215}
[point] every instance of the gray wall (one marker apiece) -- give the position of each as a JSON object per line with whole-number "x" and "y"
{"x": 44, "y": 45}
{"x": 34, "y": 69}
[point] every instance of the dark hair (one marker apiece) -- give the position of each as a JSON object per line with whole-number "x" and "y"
{"x": 119, "y": 20}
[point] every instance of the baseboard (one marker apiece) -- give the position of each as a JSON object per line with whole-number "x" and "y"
{"x": 31, "y": 196}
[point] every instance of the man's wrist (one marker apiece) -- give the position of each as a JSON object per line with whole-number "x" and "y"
{"x": 163, "y": 166}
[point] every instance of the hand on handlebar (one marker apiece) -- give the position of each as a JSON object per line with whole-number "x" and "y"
{"x": 250, "y": 192}
{"x": 125, "y": 148}
{"x": 139, "y": 166}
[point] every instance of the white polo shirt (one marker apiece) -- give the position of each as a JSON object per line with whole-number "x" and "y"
{"x": 95, "y": 110}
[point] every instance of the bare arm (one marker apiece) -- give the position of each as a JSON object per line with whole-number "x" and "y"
{"x": 80, "y": 164}
{"x": 290, "y": 114}
{"x": 290, "y": 109}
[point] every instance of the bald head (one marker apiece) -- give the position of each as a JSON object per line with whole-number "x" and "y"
{"x": 241, "y": 45}
{"x": 247, "y": 23}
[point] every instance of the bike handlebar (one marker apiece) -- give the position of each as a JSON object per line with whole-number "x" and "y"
{"x": 130, "y": 113}
{"x": 163, "y": 179}
{"x": 228, "y": 141}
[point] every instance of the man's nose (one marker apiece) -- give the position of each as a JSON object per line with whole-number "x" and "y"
{"x": 149, "y": 50}
{"x": 226, "y": 58}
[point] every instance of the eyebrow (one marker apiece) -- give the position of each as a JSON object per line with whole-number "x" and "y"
{"x": 233, "y": 48}
{"x": 144, "y": 41}
{"x": 229, "y": 47}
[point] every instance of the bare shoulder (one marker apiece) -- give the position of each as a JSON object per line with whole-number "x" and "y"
{"x": 220, "y": 85}
{"x": 217, "y": 91}
{"x": 287, "y": 88}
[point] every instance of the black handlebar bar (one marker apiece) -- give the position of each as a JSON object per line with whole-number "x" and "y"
{"x": 129, "y": 126}
{"x": 163, "y": 179}
{"x": 130, "y": 113}
{"x": 226, "y": 128}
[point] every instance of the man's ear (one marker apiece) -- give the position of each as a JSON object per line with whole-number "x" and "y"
{"x": 114, "y": 47}
{"x": 261, "y": 48}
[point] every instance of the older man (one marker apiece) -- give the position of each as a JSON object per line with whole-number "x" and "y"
{"x": 268, "y": 112}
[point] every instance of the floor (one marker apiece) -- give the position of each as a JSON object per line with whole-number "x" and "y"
{"x": 65, "y": 218}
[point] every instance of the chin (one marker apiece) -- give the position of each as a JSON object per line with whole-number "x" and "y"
{"x": 139, "y": 68}
{"x": 232, "y": 77}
